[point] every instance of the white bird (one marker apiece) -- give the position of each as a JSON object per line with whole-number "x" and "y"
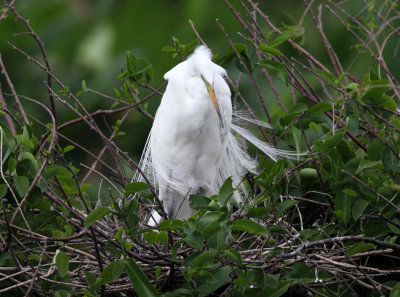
{"x": 191, "y": 148}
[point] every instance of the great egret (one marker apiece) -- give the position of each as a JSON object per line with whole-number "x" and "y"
{"x": 191, "y": 148}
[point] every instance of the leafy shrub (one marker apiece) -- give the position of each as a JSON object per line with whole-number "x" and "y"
{"x": 326, "y": 224}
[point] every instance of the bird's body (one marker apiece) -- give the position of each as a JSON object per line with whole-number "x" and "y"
{"x": 188, "y": 140}
{"x": 191, "y": 148}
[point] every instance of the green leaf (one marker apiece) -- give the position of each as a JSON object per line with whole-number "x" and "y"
{"x": 213, "y": 280}
{"x": 132, "y": 206}
{"x": 394, "y": 228}
{"x": 275, "y": 69}
{"x": 68, "y": 148}
{"x": 297, "y": 110}
{"x": 366, "y": 164}
{"x": 279, "y": 290}
{"x": 372, "y": 75}
{"x": 268, "y": 49}
{"x": 319, "y": 108}
{"x": 308, "y": 173}
{"x": 140, "y": 283}
{"x": 245, "y": 59}
{"x": 259, "y": 212}
{"x": 137, "y": 67}
{"x": 151, "y": 237}
{"x": 285, "y": 205}
{"x": 332, "y": 141}
{"x": 112, "y": 271}
{"x": 286, "y": 120}
{"x": 226, "y": 191}
{"x": 358, "y": 208}
{"x": 96, "y": 214}
{"x": 350, "y": 192}
{"x": 230, "y": 54}
{"x": 12, "y": 164}
{"x": 375, "y": 90}
{"x": 62, "y": 263}
{"x": 249, "y": 226}
{"x": 27, "y": 167}
{"x": 135, "y": 187}
{"x": 276, "y": 229}
{"x": 58, "y": 170}
{"x": 171, "y": 225}
{"x": 21, "y": 184}
{"x": 118, "y": 268}
{"x": 306, "y": 234}
{"x": 352, "y": 123}
{"x": 390, "y": 103}
{"x": 327, "y": 76}
{"x": 201, "y": 202}
{"x": 390, "y": 162}
{"x": 162, "y": 237}
{"x": 61, "y": 293}
{"x": 130, "y": 61}
{"x": 395, "y": 291}
{"x": 3, "y": 190}
{"x": 204, "y": 260}
{"x": 375, "y": 148}
{"x": 289, "y": 33}
{"x": 352, "y": 86}
{"x": 91, "y": 280}
{"x": 193, "y": 238}
{"x": 314, "y": 127}
{"x": 210, "y": 229}
{"x": 343, "y": 207}
{"x": 301, "y": 274}
{"x": 156, "y": 237}
{"x": 360, "y": 248}
{"x": 8, "y": 137}
{"x": 142, "y": 66}
{"x": 234, "y": 255}
{"x": 189, "y": 47}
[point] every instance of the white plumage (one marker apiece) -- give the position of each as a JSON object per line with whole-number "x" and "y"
{"x": 191, "y": 148}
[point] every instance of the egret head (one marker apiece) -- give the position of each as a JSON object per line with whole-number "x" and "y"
{"x": 200, "y": 65}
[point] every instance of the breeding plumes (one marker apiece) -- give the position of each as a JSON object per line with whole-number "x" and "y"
{"x": 192, "y": 147}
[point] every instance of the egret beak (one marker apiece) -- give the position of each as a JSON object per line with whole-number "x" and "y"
{"x": 213, "y": 97}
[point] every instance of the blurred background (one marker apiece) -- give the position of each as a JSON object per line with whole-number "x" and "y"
{"x": 87, "y": 40}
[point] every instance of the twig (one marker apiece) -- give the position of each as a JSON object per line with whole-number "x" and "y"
{"x": 44, "y": 164}
{"x": 6, "y": 9}
{"x": 42, "y": 50}
{"x": 262, "y": 101}
{"x": 372, "y": 190}
{"x": 11, "y": 86}
{"x": 8, "y": 118}
{"x": 196, "y": 33}
{"x": 37, "y": 269}
{"x": 308, "y": 244}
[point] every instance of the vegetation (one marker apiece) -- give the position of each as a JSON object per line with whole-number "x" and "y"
{"x": 325, "y": 224}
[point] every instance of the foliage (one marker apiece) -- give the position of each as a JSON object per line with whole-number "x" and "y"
{"x": 324, "y": 223}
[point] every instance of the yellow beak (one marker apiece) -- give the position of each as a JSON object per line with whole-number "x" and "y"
{"x": 213, "y": 97}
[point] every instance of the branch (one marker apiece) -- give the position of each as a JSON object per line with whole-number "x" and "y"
{"x": 359, "y": 238}
{"x": 11, "y": 86}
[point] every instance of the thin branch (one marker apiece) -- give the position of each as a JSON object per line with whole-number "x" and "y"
{"x": 372, "y": 190}
{"x": 42, "y": 50}
{"x": 8, "y": 118}
{"x": 11, "y": 86}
